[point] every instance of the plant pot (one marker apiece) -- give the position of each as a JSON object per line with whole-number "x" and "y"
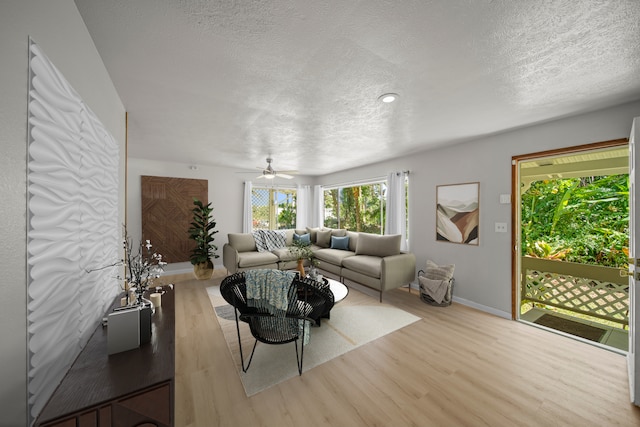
{"x": 300, "y": 267}
{"x": 203, "y": 270}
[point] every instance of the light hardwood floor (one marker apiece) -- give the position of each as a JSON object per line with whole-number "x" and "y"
{"x": 456, "y": 366}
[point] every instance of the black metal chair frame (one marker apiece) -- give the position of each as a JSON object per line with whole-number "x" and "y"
{"x": 266, "y": 327}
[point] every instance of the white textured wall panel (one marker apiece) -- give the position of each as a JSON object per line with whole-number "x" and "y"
{"x": 73, "y": 226}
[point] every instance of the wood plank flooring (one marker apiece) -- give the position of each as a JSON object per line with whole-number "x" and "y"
{"x": 455, "y": 367}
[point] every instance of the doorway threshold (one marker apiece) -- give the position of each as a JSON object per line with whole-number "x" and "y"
{"x": 611, "y": 338}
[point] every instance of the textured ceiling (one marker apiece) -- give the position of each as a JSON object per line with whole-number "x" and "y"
{"x": 229, "y": 82}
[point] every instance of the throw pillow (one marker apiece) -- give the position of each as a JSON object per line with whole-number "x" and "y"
{"x": 338, "y": 232}
{"x": 304, "y": 238}
{"x": 439, "y": 272}
{"x": 340, "y": 243}
{"x": 375, "y": 245}
{"x": 324, "y": 238}
{"x": 353, "y": 240}
{"x": 313, "y": 232}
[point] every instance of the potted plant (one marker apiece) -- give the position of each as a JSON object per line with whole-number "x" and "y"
{"x": 201, "y": 231}
{"x": 302, "y": 250}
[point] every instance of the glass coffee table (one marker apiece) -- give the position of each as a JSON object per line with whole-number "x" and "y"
{"x": 339, "y": 290}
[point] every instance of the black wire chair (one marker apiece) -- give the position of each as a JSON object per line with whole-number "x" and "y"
{"x": 266, "y": 327}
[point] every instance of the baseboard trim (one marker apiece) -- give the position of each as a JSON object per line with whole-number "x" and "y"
{"x": 481, "y": 307}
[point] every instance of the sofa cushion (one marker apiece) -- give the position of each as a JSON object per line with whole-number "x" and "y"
{"x": 304, "y": 238}
{"x": 242, "y": 242}
{"x": 340, "y": 243}
{"x": 376, "y": 245}
{"x": 369, "y": 265}
{"x": 353, "y": 240}
{"x": 439, "y": 272}
{"x": 323, "y": 238}
{"x": 256, "y": 259}
{"x": 284, "y": 254}
{"x": 332, "y": 256}
{"x": 289, "y": 237}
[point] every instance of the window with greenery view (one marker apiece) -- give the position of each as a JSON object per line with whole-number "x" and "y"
{"x": 582, "y": 220}
{"x": 357, "y": 208}
{"x": 273, "y": 209}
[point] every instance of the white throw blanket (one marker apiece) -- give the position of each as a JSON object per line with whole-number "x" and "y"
{"x": 436, "y": 289}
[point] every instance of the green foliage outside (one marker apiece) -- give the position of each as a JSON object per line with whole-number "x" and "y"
{"x": 358, "y": 208}
{"x": 582, "y": 220}
{"x": 268, "y": 214}
{"x": 287, "y": 213}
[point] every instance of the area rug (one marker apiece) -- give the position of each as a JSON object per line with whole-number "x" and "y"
{"x": 568, "y": 326}
{"x": 349, "y": 327}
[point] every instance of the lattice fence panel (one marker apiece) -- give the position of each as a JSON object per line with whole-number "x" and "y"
{"x": 601, "y": 299}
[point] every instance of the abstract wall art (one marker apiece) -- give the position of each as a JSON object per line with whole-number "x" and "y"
{"x": 458, "y": 213}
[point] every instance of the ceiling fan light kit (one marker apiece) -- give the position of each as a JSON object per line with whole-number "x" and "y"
{"x": 270, "y": 173}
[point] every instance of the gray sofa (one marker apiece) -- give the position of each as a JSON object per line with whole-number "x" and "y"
{"x": 371, "y": 260}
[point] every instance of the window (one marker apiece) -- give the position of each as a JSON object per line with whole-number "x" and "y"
{"x": 273, "y": 209}
{"x": 356, "y": 208}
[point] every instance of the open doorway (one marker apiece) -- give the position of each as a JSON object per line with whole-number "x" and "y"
{"x": 571, "y": 240}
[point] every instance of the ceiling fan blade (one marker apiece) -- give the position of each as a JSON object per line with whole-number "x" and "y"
{"x": 283, "y": 175}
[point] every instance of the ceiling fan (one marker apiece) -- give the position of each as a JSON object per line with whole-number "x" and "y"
{"x": 270, "y": 173}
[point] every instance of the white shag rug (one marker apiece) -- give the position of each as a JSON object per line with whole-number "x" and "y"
{"x": 349, "y": 327}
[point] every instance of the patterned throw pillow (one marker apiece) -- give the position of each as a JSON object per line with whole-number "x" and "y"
{"x": 439, "y": 272}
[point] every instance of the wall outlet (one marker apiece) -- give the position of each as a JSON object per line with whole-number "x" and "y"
{"x": 505, "y": 199}
{"x": 501, "y": 227}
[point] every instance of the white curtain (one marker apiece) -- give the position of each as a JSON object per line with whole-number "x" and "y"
{"x": 247, "y": 215}
{"x": 317, "y": 214}
{"x": 303, "y": 207}
{"x": 396, "y": 218}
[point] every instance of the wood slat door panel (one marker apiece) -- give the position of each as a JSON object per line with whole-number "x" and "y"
{"x": 166, "y": 213}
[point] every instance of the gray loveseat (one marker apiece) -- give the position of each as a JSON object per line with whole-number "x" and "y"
{"x": 371, "y": 260}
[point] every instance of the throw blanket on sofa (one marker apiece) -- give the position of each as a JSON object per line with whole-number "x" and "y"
{"x": 268, "y": 240}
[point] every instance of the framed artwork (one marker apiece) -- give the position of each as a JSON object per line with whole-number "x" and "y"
{"x": 458, "y": 213}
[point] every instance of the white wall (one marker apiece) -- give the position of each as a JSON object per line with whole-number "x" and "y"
{"x": 483, "y": 273}
{"x": 226, "y": 194}
{"x": 59, "y": 30}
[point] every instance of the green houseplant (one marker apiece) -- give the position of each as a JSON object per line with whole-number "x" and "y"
{"x": 301, "y": 251}
{"x": 201, "y": 231}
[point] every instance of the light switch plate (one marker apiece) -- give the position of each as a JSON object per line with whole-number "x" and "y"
{"x": 501, "y": 227}
{"x": 505, "y": 199}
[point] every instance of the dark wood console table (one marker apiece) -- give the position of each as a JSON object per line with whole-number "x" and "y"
{"x": 135, "y": 387}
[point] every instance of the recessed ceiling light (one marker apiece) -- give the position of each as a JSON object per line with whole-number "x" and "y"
{"x": 388, "y": 97}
